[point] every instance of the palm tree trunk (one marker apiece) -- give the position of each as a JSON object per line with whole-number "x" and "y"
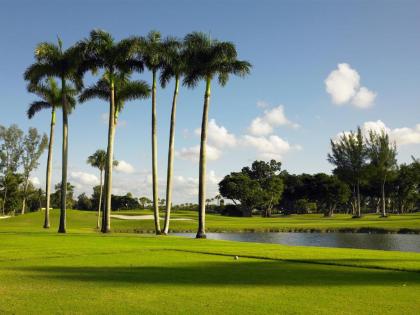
{"x": 383, "y": 199}
{"x": 359, "y": 212}
{"x": 106, "y": 220}
{"x": 171, "y": 159}
{"x": 49, "y": 171}
{"x": 62, "y": 226}
{"x": 154, "y": 157}
{"x": 100, "y": 200}
{"x": 25, "y": 192}
{"x": 201, "y": 233}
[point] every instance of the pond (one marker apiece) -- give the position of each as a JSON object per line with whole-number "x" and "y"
{"x": 398, "y": 242}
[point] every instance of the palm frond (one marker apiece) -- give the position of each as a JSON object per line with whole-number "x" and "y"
{"x": 37, "y": 106}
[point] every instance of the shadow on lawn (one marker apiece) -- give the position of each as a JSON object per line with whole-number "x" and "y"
{"x": 227, "y": 273}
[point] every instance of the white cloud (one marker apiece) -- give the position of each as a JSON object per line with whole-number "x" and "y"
{"x": 218, "y": 136}
{"x": 401, "y": 136}
{"x": 84, "y": 178}
{"x": 193, "y": 153}
{"x": 343, "y": 85}
{"x": 271, "y": 147}
{"x": 35, "y": 181}
{"x": 364, "y": 98}
{"x": 124, "y": 167}
{"x": 265, "y": 124}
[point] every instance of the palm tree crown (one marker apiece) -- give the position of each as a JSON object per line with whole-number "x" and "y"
{"x": 209, "y": 58}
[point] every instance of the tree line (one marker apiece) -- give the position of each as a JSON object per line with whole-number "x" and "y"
{"x": 366, "y": 178}
{"x": 57, "y": 74}
{"x": 19, "y": 157}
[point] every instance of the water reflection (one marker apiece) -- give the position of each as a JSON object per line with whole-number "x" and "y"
{"x": 399, "y": 242}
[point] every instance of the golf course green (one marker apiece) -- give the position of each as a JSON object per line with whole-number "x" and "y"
{"x": 83, "y": 271}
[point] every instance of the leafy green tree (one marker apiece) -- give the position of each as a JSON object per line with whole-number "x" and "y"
{"x": 207, "y": 59}
{"x": 349, "y": 156}
{"x": 53, "y": 61}
{"x": 83, "y": 202}
{"x": 239, "y": 187}
{"x": 56, "y": 196}
{"x": 117, "y": 60}
{"x": 33, "y": 146}
{"x": 174, "y": 66}
{"x": 11, "y": 149}
{"x": 144, "y": 202}
{"x": 50, "y": 98}
{"x": 268, "y": 176}
{"x": 383, "y": 163}
{"x": 328, "y": 192}
{"x": 151, "y": 51}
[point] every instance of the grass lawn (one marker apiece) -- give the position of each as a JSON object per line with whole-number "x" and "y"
{"x": 217, "y": 223}
{"x": 42, "y": 272}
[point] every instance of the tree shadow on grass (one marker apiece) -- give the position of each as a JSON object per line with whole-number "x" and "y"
{"x": 269, "y": 273}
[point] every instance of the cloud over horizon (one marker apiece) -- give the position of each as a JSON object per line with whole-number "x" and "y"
{"x": 343, "y": 85}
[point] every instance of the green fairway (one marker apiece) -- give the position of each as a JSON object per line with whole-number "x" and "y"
{"x": 42, "y": 272}
{"x": 86, "y": 220}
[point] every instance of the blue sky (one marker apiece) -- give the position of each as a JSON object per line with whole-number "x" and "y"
{"x": 296, "y": 98}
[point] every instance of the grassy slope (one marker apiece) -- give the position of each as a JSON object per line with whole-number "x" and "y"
{"x": 84, "y": 272}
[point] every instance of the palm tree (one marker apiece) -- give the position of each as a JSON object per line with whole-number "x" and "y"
{"x": 53, "y": 61}
{"x": 101, "y": 51}
{"x": 151, "y": 52}
{"x": 207, "y": 59}
{"x": 174, "y": 66}
{"x": 98, "y": 160}
{"x": 50, "y": 98}
{"x": 123, "y": 90}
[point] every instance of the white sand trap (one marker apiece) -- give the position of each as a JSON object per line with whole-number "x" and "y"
{"x": 143, "y": 217}
{"x": 5, "y": 217}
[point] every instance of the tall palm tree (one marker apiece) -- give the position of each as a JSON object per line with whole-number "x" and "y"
{"x": 151, "y": 52}
{"x": 123, "y": 90}
{"x": 174, "y": 66}
{"x": 53, "y": 61}
{"x": 207, "y": 59}
{"x": 98, "y": 160}
{"x": 101, "y": 51}
{"x": 50, "y": 98}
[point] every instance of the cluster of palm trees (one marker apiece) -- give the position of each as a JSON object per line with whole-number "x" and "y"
{"x": 189, "y": 61}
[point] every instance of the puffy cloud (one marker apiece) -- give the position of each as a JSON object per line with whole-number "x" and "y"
{"x": 124, "y": 167}
{"x": 84, "y": 178}
{"x": 343, "y": 85}
{"x": 271, "y": 147}
{"x": 265, "y": 124}
{"x": 193, "y": 153}
{"x": 401, "y": 136}
{"x": 262, "y": 104}
{"x": 218, "y": 136}
{"x": 35, "y": 181}
{"x": 363, "y": 98}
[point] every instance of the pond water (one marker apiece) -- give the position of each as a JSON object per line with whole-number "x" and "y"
{"x": 398, "y": 242}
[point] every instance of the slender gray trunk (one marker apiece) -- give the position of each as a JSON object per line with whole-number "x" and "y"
{"x": 25, "y": 192}
{"x": 62, "y": 225}
{"x": 49, "y": 172}
{"x": 154, "y": 158}
{"x": 100, "y": 199}
{"x": 383, "y": 199}
{"x": 5, "y": 194}
{"x": 359, "y": 212}
{"x": 106, "y": 220}
{"x": 201, "y": 233}
{"x": 171, "y": 159}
